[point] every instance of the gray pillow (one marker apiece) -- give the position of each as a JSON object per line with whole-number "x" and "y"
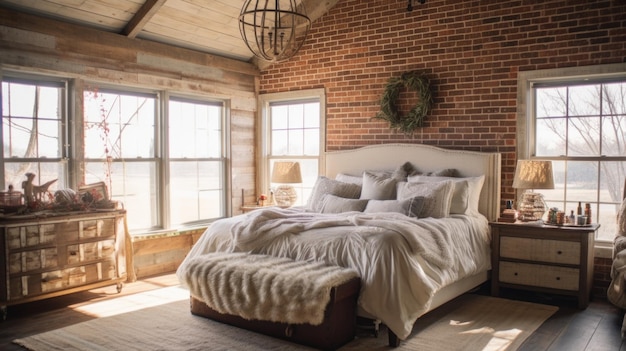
{"x": 324, "y": 186}
{"x": 378, "y": 188}
{"x": 437, "y": 196}
{"x": 409, "y": 207}
{"x": 336, "y": 204}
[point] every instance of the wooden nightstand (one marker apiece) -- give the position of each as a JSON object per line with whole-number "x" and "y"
{"x": 550, "y": 259}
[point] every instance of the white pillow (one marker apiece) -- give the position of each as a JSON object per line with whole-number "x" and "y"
{"x": 325, "y": 186}
{"x": 437, "y": 196}
{"x": 378, "y": 188}
{"x": 466, "y": 193}
{"x": 347, "y": 178}
{"x": 408, "y": 207}
{"x": 336, "y": 204}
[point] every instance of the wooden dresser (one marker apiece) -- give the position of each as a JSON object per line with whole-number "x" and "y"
{"x": 543, "y": 258}
{"x": 47, "y": 256}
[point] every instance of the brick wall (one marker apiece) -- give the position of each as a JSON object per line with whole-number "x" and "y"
{"x": 471, "y": 50}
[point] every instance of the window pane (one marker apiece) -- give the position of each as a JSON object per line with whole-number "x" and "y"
{"x": 115, "y": 122}
{"x": 614, "y": 99}
{"x": 551, "y": 102}
{"x": 296, "y": 142}
{"x": 584, "y": 136}
{"x": 135, "y": 185}
{"x": 279, "y": 142}
{"x": 613, "y": 131}
{"x": 312, "y": 142}
{"x": 195, "y": 130}
{"x": 15, "y": 174}
{"x": 197, "y": 191}
{"x": 279, "y": 117}
{"x": 584, "y": 100}
{"x": 312, "y": 115}
{"x": 296, "y": 116}
{"x": 551, "y": 137}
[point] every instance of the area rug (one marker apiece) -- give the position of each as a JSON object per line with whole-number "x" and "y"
{"x": 471, "y": 322}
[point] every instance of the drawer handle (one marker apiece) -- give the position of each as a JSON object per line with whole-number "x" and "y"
{"x": 515, "y": 274}
{"x": 72, "y": 253}
{"x": 559, "y": 252}
{"x": 558, "y": 278}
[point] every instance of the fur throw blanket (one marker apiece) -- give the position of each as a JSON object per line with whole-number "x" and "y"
{"x": 261, "y": 287}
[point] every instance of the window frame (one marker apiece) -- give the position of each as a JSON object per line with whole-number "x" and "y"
{"x": 526, "y": 120}
{"x": 73, "y": 154}
{"x": 265, "y": 156}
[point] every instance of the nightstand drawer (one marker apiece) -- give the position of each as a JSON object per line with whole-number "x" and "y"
{"x": 542, "y": 250}
{"x": 562, "y": 278}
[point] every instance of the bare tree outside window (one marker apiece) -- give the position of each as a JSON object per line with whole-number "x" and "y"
{"x": 582, "y": 129}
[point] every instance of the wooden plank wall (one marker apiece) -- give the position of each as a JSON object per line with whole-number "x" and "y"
{"x": 33, "y": 44}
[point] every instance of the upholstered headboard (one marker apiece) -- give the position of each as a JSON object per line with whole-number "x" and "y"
{"x": 425, "y": 158}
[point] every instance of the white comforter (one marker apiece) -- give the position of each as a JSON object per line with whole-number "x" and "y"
{"x": 402, "y": 261}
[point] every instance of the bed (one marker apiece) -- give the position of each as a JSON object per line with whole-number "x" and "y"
{"x": 411, "y": 262}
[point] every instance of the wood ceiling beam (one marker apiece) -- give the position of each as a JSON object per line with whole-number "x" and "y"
{"x": 139, "y": 20}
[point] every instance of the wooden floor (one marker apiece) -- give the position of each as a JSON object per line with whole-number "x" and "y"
{"x": 570, "y": 329}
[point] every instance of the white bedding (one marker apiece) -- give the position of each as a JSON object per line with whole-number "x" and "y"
{"x": 399, "y": 270}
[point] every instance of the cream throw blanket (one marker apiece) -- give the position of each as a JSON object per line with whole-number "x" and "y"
{"x": 262, "y": 226}
{"x": 261, "y": 287}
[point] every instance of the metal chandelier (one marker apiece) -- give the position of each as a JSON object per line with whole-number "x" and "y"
{"x": 274, "y": 30}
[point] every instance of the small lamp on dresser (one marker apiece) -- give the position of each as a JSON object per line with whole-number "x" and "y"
{"x": 532, "y": 174}
{"x": 286, "y": 173}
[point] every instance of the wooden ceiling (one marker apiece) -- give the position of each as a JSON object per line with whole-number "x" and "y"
{"x": 209, "y": 26}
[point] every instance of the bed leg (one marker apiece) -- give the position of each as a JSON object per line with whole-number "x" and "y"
{"x": 393, "y": 339}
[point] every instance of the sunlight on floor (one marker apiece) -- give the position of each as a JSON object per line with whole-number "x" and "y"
{"x": 500, "y": 340}
{"x": 133, "y": 302}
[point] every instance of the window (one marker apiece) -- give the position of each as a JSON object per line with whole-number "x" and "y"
{"x": 164, "y": 157}
{"x": 294, "y": 125}
{"x": 34, "y": 132}
{"x": 196, "y": 160}
{"x": 580, "y": 124}
{"x": 120, "y": 148}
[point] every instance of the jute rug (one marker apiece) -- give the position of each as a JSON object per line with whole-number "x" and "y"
{"x": 473, "y": 322}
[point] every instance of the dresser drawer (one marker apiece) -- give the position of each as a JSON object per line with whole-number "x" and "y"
{"x": 539, "y": 275}
{"x": 542, "y": 250}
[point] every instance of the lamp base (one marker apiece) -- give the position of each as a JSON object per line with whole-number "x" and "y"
{"x": 531, "y": 207}
{"x": 285, "y": 196}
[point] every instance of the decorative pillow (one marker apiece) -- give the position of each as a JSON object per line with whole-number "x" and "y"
{"x": 347, "y": 178}
{"x": 446, "y": 172}
{"x": 621, "y": 220}
{"x": 325, "y": 186}
{"x": 437, "y": 196}
{"x": 378, "y": 188}
{"x": 465, "y": 195}
{"x": 336, "y": 204}
{"x": 409, "y": 207}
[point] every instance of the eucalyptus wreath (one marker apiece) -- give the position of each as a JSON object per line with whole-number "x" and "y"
{"x": 412, "y": 80}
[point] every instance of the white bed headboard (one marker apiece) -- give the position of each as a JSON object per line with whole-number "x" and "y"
{"x": 425, "y": 158}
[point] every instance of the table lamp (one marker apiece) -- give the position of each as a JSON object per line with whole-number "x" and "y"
{"x": 286, "y": 173}
{"x": 531, "y": 174}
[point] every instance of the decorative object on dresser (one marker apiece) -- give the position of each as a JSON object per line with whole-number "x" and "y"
{"x": 51, "y": 254}
{"x": 543, "y": 258}
{"x": 532, "y": 174}
{"x": 286, "y": 173}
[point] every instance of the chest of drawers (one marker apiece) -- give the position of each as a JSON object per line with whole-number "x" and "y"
{"x": 43, "y": 257}
{"x": 542, "y": 258}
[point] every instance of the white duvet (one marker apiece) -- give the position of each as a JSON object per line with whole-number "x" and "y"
{"x": 402, "y": 261}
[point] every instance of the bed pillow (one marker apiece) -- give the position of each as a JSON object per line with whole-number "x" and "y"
{"x": 399, "y": 174}
{"x": 324, "y": 186}
{"x": 446, "y": 172}
{"x": 348, "y": 178}
{"x": 465, "y": 195}
{"x": 621, "y": 220}
{"x": 437, "y": 196}
{"x": 377, "y": 187}
{"x": 336, "y": 204}
{"x": 409, "y": 207}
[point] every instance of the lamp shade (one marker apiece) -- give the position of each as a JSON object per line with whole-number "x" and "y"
{"x": 531, "y": 174}
{"x": 286, "y": 172}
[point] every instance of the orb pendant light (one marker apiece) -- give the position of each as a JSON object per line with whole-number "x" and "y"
{"x": 274, "y": 30}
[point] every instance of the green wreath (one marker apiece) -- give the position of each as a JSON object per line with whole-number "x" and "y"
{"x": 412, "y": 80}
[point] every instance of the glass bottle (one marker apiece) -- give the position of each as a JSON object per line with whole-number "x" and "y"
{"x": 588, "y": 213}
{"x": 572, "y": 218}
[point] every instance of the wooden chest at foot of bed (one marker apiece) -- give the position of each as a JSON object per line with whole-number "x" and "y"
{"x": 337, "y": 329}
